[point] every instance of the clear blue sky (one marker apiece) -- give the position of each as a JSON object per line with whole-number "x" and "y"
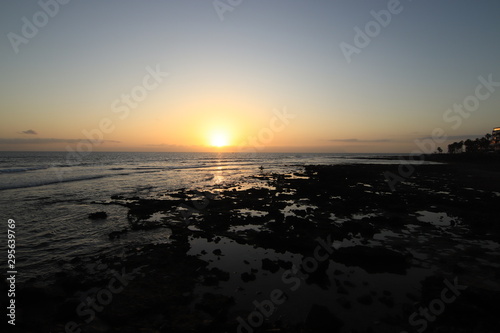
{"x": 228, "y": 75}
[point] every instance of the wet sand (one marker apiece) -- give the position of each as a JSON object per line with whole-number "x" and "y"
{"x": 325, "y": 249}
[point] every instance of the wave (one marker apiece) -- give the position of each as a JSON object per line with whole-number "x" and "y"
{"x": 51, "y": 182}
{"x": 17, "y": 170}
{"x": 183, "y": 167}
{"x": 70, "y": 179}
{"x": 228, "y": 160}
{"x": 21, "y": 169}
{"x": 198, "y": 164}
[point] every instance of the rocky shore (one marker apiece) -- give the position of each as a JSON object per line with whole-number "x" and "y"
{"x": 324, "y": 249}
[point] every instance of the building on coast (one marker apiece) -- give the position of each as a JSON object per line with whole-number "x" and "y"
{"x": 495, "y": 139}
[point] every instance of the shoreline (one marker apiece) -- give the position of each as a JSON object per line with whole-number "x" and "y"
{"x": 439, "y": 225}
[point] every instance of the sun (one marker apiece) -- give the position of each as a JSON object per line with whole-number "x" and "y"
{"x": 219, "y": 139}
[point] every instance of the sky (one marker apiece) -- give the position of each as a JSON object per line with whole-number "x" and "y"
{"x": 233, "y": 75}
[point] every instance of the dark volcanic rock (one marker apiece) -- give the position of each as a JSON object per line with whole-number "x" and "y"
{"x": 214, "y": 276}
{"x": 117, "y": 234}
{"x": 388, "y": 301}
{"x": 246, "y": 277}
{"x": 320, "y": 319}
{"x": 164, "y": 297}
{"x": 270, "y": 265}
{"x": 363, "y": 227}
{"x": 98, "y": 216}
{"x": 365, "y": 299}
{"x": 373, "y": 259}
{"x": 319, "y": 275}
{"x": 215, "y": 305}
{"x": 344, "y": 302}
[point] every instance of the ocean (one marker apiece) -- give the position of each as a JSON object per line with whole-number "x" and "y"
{"x": 50, "y": 194}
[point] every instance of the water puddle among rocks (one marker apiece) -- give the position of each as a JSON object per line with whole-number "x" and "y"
{"x": 441, "y": 219}
{"x": 347, "y": 291}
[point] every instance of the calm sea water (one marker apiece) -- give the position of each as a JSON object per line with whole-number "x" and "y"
{"x": 50, "y": 195}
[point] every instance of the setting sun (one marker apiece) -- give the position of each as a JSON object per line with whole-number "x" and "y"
{"x": 219, "y": 139}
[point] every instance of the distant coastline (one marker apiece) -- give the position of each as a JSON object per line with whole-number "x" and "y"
{"x": 470, "y": 158}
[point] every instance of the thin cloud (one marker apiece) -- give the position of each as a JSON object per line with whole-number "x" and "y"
{"x": 360, "y": 141}
{"x": 17, "y": 141}
{"x": 30, "y": 132}
{"x": 164, "y": 145}
{"x": 456, "y": 137}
